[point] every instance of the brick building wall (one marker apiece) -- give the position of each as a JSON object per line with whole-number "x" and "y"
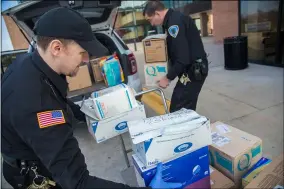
{"x": 225, "y": 19}
{"x": 17, "y": 38}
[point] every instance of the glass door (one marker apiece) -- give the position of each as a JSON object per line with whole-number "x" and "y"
{"x": 259, "y": 21}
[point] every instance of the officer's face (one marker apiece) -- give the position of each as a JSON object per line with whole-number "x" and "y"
{"x": 155, "y": 20}
{"x": 74, "y": 55}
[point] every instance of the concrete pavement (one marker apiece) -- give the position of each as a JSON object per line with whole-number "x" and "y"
{"x": 250, "y": 99}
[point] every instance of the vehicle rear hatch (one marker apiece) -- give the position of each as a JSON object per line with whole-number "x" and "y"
{"x": 100, "y": 14}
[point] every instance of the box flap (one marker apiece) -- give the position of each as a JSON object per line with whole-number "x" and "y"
{"x": 157, "y": 36}
{"x": 87, "y": 107}
{"x": 230, "y": 140}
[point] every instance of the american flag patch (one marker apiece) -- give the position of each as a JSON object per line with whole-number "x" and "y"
{"x": 50, "y": 118}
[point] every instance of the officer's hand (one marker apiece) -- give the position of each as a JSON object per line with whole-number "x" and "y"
{"x": 164, "y": 82}
{"x": 158, "y": 182}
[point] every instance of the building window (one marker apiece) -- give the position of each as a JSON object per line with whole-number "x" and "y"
{"x": 259, "y": 20}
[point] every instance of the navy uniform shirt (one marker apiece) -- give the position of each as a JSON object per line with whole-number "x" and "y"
{"x": 183, "y": 42}
{"x": 37, "y": 123}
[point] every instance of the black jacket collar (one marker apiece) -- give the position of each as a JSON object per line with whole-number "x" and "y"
{"x": 59, "y": 81}
{"x": 166, "y": 19}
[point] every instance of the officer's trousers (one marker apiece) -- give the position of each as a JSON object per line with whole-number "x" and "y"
{"x": 186, "y": 96}
{"x": 11, "y": 173}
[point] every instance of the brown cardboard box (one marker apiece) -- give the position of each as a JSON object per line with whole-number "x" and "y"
{"x": 97, "y": 72}
{"x": 271, "y": 176}
{"x": 218, "y": 180}
{"x": 81, "y": 80}
{"x": 233, "y": 151}
{"x": 155, "y": 49}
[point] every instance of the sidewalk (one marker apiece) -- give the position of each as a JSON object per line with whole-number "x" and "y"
{"x": 250, "y": 99}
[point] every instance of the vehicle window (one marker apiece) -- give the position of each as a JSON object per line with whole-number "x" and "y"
{"x": 8, "y": 57}
{"x": 120, "y": 41}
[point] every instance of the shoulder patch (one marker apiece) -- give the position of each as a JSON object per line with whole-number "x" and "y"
{"x": 173, "y": 31}
{"x": 50, "y": 118}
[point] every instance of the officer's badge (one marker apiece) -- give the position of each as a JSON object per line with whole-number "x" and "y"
{"x": 173, "y": 31}
{"x": 50, "y": 118}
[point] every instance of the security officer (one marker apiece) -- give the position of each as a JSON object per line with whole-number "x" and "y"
{"x": 186, "y": 53}
{"x": 38, "y": 146}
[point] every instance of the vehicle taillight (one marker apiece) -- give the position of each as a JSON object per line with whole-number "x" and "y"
{"x": 132, "y": 64}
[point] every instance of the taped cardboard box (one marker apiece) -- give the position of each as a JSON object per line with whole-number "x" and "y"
{"x": 81, "y": 80}
{"x": 113, "y": 101}
{"x": 163, "y": 137}
{"x": 233, "y": 151}
{"x": 154, "y": 72}
{"x": 111, "y": 127}
{"x": 218, "y": 180}
{"x": 271, "y": 177}
{"x": 187, "y": 169}
{"x": 155, "y": 48}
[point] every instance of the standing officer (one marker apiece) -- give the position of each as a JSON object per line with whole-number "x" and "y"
{"x": 37, "y": 119}
{"x": 186, "y": 53}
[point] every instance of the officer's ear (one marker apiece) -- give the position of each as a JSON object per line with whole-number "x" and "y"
{"x": 56, "y": 47}
{"x": 157, "y": 13}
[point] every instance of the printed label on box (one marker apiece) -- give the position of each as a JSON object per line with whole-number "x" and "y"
{"x": 219, "y": 140}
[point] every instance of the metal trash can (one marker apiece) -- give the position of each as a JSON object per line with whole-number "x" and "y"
{"x": 236, "y": 53}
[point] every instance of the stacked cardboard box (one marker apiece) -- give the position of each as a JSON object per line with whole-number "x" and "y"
{"x": 106, "y": 117}
{"x": 81, "y": 80}
{"x": 218, "y": 180}
{"x": 96, "y": 70}
{"x": 156, "y": 58}
{"x": 233, "y": 151}
{"x": 180, "y": 141}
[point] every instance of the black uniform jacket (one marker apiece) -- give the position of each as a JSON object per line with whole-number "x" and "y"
{"x": 37, "y": 123}
{"x": 183, "y": 41}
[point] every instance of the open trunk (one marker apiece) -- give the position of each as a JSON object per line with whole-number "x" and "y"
{"x": 100, "y": 14}
{"x": 78, "y": 95}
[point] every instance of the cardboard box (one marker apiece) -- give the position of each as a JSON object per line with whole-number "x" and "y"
{"x": 112, "y": 101}
{"x": 255, "y": 170}
{"x": 271, "y": 177}
{"x": 218, "y": 180}
{"x": 97, "y": 72}
{"x": 81, "y": 80}
{"x": 154, "y": 72}
{"x": 155, "y": 48}
{"x": 162, "y": 144}
{"x": 111, "y": 127}
{"x": 233, "y": 151}
{"x": 186, "y": 169}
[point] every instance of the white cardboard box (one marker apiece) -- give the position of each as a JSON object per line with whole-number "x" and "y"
{"x": 116, "y": 125}
{"x": 154, "y": 72}
{"x": 187, "y": 132}
{"x": 112, "y": 101}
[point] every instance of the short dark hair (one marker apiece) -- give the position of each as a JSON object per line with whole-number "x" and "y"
{"x": 43, "y": 41}
{"x": 152, "y": 6}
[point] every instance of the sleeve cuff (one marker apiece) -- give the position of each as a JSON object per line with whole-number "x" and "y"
{"x": 170, "y": 76}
